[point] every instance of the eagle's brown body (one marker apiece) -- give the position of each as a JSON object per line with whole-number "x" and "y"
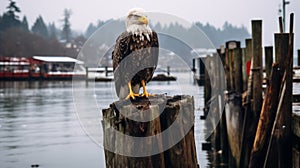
{"x": 135, "y": 58}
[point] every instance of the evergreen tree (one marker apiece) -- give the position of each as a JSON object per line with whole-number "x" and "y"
{"x": 53, "y": 31}
{"x": 39, "y": 27}
{"x": 10, "y": 18}
{"x": 24, "y": 24}
{"x": 66, "y": 31}
{"x": 13, "y": 9}
{"x": 158, "y": 27}
{"x": 90, "y": 30}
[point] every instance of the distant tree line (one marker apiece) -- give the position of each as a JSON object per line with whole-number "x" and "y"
{"x": 218, "y": 36}
{"x": 227, "y": 32}
{"x": 18, "y": 40}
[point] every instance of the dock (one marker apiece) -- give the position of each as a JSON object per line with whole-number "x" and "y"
{"x": 105, "y": 74}
{"x": 259, "y": 126}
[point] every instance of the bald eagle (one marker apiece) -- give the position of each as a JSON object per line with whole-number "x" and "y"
{"x": 135, "y": 56}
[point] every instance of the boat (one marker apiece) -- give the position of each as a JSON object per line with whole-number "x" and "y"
{"x": 162, "y": 74}
{"x": 163, "y": 77}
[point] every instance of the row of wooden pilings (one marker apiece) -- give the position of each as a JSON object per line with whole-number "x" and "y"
{"x": 255, "y": 129}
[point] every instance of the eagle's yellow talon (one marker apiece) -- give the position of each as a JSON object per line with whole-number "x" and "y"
{"x": 131, "y": 94}
{"x": 145, "y": 93}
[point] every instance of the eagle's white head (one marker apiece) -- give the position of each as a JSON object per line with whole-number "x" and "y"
{"x": 137, "y": 21}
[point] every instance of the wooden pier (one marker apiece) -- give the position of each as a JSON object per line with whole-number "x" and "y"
{"x": 105, "y": 74}
{"x": 261, "y": 129}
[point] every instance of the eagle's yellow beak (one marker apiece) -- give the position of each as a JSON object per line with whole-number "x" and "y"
{"x": 144, "y": 20}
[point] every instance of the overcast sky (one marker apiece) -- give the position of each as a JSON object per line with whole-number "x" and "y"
{"x": 216, "y": 12}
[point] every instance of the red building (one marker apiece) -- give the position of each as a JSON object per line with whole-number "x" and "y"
{"x": 41, "y": 68}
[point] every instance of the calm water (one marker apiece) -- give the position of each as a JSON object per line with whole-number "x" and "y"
{"x": 39, "y": 121}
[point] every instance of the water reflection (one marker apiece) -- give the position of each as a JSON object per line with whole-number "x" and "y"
{"x": 38, "y": 125}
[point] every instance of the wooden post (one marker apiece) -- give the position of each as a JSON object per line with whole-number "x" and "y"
{"x": 106, "y": 71}
{"x": 268, "y": 60}
{"x": 257, "y": 66}
{"x": 222, "y": 123}
{"x": 254, "y": 91}
{"x": 207, "y": 83}
{"x": 215, "y": 103}
{"x": 227, "y": 68}
{"x": 238, "y": 75}
{"x": 248, "y": 57}
{"x": 247, "y": 61}
{"x": 285, "y": 113}
{"x": 177, "y": 109}
{"x": 279, "y": 151}
{"x": 86, "y": 76}
{"x": 280, "y": 25}
{"x": 249, "y": 128}
{"x": 234, "y": 103}
{"x": 281, "y": 48}
{"x": 231, "y": 69}
{"x": 266, "y": 120}
{"x": 194, "y": 65}
{"x": 244, "y": 68}
{"x": 280, "y": 148}
{"x": 201, "y": 64}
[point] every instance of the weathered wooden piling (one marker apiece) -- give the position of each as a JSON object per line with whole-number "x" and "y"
{"x": 257, "y": 66}
{"x": 221, "y": 77}
{"x": 252, "y": 108}
{"x": 207, "y": 82}
{"x": 248, "y": 57}
{"x": 266, "y": 120}
{"x": 233, "y": 108}
{"x": 234, "y": 118}
{"x": 281, "y": 47}
{"x": 211, "y": 100}
{"x": 285, "y": 113}
{"x": 248, "y": 131}
{"x": 276, "y": 113}
{"x": 280, "y": 20}
{"x": 279, "y": 152}
{"x": 253, "y": 99}
{"x": 268, "y": 60}
{"x": 238, "y": 70}
{"x": 155, "y": 117}
{"x": 227, "y": 68}
{"x": 231, "y": 70}
{"x": 215, "y": 86}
